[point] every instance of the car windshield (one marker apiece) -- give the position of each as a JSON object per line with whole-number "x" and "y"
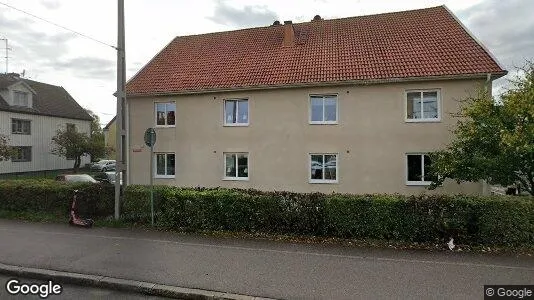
{"x": 79, "y": 178}
{"x": 101, "y": 162}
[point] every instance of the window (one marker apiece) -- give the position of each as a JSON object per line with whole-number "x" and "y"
{"x": 165, "y": 165}
{"x": 236, "y": 112}
{"x": 323, "y": 109}
{"x": 418, "y": 166}
{"x": 422, "y": 106}
{"x": 20, "y": 99}
{"x": 21, "y": 126}
{"x": 71, "y": 127}
{"x": 236, "y": 166}
{"x": 166, "y": 114}
{"x": 323, "y": 168}
{"x": 23, "y": 153}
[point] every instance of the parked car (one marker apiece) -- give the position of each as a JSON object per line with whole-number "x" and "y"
{"x": 76, "y": 178}
{"x": 106, "y": 177}
{"x": 104, "y": 165}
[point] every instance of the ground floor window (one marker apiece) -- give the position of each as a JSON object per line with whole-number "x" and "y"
{"x": 165, "y": 165}
{"x": 417, "y": 167}
{"x": 323, "y": 168}
{"x": 236, "y": 166}
{"x": 20, "y": 154}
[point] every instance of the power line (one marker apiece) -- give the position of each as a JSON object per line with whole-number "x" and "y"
{"x": 60, "y": 26}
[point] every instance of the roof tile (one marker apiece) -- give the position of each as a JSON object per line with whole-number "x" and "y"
{"x": 419, "y": 43}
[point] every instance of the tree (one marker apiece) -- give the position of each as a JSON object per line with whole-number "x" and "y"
{"x": 493, "y": 140}
{"x": 71, "y": 144}
{"x": 5, "y": 150}
{"x": 97, "y": 145}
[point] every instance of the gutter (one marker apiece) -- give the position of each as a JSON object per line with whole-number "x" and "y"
{"x": 492, "y": 76}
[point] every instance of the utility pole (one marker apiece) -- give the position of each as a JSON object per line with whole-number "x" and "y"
{"x": 121, "y": 103}
{"x": 7, "y": 54}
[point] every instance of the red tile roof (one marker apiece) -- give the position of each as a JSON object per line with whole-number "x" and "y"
{"x": 401, "y": 45}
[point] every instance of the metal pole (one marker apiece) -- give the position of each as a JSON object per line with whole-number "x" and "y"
{"x": 152, "y": 184}
{"x": 121, "y": 97}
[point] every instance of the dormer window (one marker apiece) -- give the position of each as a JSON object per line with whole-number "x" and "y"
{"x": 20, "y": 99}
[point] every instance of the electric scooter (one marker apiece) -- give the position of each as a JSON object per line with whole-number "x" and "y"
{"x": 74, "y": 219}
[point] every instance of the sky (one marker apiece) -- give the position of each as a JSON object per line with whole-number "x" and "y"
{"x": 87, "y": 69}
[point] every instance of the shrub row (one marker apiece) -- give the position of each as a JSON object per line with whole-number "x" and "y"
{"x": 49, "y": 196}
{"x": 492, "y": 220}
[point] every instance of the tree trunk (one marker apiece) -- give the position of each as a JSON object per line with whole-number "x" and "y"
{"x": 77, "y": 162}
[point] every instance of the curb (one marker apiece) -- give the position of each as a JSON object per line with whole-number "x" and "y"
{"x": 106, "y": 282}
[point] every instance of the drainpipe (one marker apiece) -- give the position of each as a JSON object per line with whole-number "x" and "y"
{"x": 485, "y": 186}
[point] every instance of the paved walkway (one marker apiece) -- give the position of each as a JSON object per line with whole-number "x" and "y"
{"x": 258, "y": 268}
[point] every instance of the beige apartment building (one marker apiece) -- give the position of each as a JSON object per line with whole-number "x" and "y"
{"x": 346, "y": 105}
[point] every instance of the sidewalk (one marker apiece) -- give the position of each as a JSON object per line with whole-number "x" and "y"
{"x": 257, "y": 268}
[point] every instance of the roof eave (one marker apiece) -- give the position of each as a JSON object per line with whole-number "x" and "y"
{"x": 493, "y": 75}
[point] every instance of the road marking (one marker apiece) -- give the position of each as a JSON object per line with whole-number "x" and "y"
{"x": 359, "y": 257}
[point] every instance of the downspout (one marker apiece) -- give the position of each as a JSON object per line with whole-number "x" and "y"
{"x": 485, "y": 185}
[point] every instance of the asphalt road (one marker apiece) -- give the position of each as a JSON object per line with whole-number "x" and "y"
{"x": 71, "y": 292}
{"x": 258, "y": 268}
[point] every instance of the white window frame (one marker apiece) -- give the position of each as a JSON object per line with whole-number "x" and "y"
{"x": 155, "y": 165}
{"x": 22, "y": 126}
{"x": 237, "y": 178}
{"x": 425, "y": 120}
{"x": 156, "y": 114}
{"x": 323, "y": 122}
{"x": 237, "y": 124}
{"x": 416, "y": 183}
{"x": 327, "y": 181}
{"x": 23, "y": 160}
{"x": 15, "y": 92}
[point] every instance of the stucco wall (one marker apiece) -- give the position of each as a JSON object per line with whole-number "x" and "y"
{"x": 371, "y": 138}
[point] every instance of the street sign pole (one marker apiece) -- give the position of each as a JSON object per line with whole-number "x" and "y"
{"x": 152, "y": 184}
{"x": 150, "y": 140}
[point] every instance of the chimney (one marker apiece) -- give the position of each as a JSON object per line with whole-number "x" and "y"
{"x": 289, "y": 34}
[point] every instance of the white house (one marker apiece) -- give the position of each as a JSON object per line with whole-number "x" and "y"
{"x": 30, "y": 114}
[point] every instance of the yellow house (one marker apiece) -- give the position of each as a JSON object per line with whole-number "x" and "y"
{"x": 348, "y": 105}
{"x": 110, "y": 136}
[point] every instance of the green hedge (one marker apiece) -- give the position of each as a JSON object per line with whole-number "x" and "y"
{"x": 492, "y": 220}
{"x": 49, "y": 196}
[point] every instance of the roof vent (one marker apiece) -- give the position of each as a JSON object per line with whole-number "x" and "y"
{"x": 317, "y": 18}
{"x": 276, "y": 23}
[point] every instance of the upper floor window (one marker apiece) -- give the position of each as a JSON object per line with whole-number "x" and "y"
{"x": 236, "y": 112}
{"x": 417, "y": 167}
{"x": 323, "y": 109}
{"x": 20, "y": 99}
{"x": 422, "y": 106}
{"x": 19, "y": 126}
{"x": 323, "y": 168}
{"x": 165, "y": 113}
{"x": 236, "y": 166}
{"x": 20, "y": 154}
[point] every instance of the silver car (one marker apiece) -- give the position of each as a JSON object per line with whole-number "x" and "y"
{"x": 104, "y": 165}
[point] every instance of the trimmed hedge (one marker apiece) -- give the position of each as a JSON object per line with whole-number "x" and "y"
{"x": 492, "y": 220}
{"x": 49, "y": 196}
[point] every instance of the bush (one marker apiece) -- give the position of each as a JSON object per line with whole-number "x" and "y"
{"x": 49, "y": 196}
{"x": 494, "y": 220}
{"x": 475, "y": 220}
